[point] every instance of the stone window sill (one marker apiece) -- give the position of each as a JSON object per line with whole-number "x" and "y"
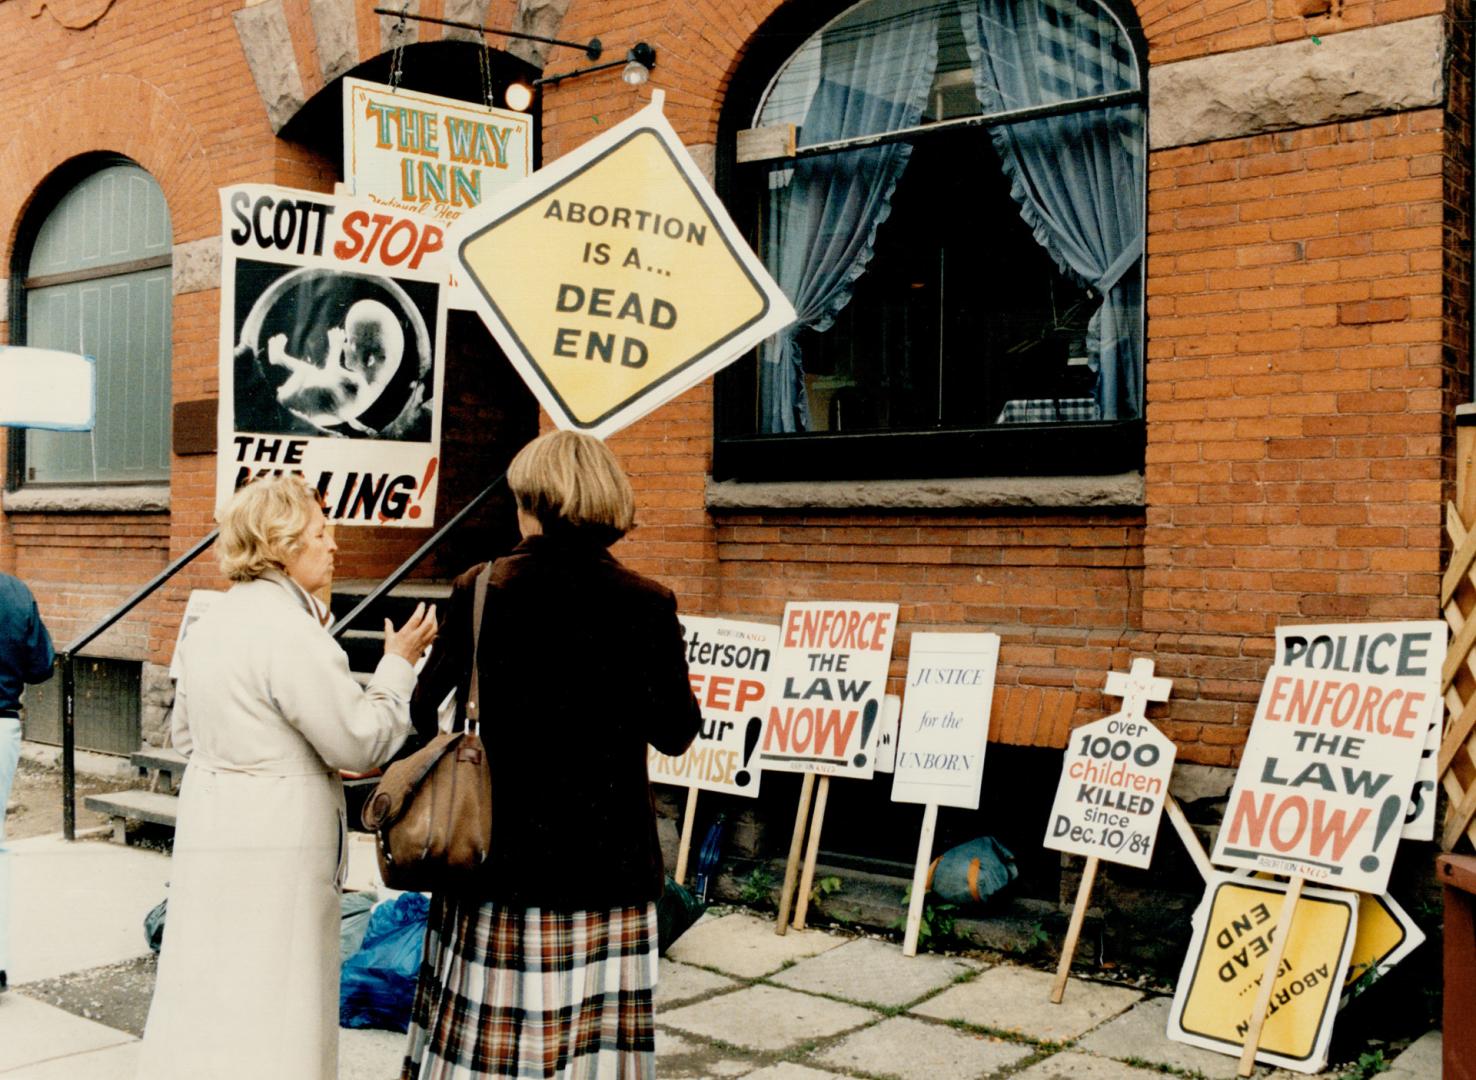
{"x": 123, "y": 499}
{"x": 1121, "y": 491}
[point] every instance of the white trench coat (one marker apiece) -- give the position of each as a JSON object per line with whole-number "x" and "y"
{"x": 268, "y": 712}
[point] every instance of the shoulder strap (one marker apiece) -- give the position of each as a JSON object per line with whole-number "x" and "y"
{"x": 479, "y": 603}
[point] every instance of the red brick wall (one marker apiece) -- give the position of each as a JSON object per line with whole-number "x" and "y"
{"x": 1308, "y": 320}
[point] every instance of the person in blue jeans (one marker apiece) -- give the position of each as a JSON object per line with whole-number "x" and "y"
{"x": 25, "y": 657}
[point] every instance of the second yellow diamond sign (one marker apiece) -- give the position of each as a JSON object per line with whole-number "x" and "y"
{"x": 614, "y": 279}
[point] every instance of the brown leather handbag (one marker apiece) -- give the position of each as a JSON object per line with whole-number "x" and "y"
{"x": 431, "y": 812}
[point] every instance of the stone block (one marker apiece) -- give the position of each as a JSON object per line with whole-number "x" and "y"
{"x": 746, "y": 945}
{"x": 916, "y": 1050}
{"x": 1017, "y": 1000}
{"x": 768, "y": 1018}
{"x": 874, "y": 972}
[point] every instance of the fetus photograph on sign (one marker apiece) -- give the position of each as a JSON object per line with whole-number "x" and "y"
{"x": 330, "y": 353}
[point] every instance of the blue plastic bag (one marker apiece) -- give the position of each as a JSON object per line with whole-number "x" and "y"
{"x": 378, "y": 982}
{"x": 972, "y": 872}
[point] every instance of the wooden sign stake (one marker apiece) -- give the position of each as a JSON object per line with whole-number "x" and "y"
{"x": 1073, "y": 931}
{"x": 807, "y": 879}
{"x": 920, "y": 879}
{"x": 1192, "y": 845}
{"x": 1268, "y": 977}
{"x": 684, "y": 845}
{"x": 796, "y": 843}
{"x": 1136, "y": 689}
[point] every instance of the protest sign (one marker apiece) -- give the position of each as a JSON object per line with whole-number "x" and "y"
{"x": 887, "y": 733}
{"x": 945, "y": 719}
{"x": 417, "y": 153}
{"x": 331, "y": 344}
{"x": 1226, "y": 962}
{"x": 728, "y": 663}
{"x": 829, "y": 679}
{"x": 1339, "y": 646}
{"x": 614, "y": 279}
{"x": 1386, "y": 935}
{"x": 1332, "y": 756}
{"x": 47, "y": 388}
{"x": 1114, "y": 783}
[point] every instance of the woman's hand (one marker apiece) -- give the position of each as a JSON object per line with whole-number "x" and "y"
{"x": 414, "y": 637}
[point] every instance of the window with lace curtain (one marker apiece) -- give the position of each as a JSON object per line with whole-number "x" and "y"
{"x": 960, "y": 227}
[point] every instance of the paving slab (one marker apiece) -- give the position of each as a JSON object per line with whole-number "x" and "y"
{"x": 1141, "y": 1032}
{"x": 787, "y": 1070}
{"x": 767, "y": 1018}
{"x": 1073, "y": 1065}
{"x": 916, "y": 1050}
{"x": 745, "y": 945}
{"x": 679, "y": 1058}
{"x": 111, "y": 1063}
{"x": 875, "y": 972}
{"x": 35, "y": 1032}
{"x": 677, "y": 983}
{"x": 369, "y": 1054}
{"x": 1009, "y": 998}
{"x": 1421, "y": 1059}
{"x": 79, "y": 905}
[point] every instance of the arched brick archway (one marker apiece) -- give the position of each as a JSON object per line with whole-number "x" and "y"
{"x": 296, "y": 49}
{"x": 142, "y": 123}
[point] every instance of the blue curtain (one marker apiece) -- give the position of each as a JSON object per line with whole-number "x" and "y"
{"x": 875, "y": 73}
{"x": 1077, "y": 178}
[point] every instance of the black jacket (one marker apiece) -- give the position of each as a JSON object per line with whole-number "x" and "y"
{"x": 581, "y": 666}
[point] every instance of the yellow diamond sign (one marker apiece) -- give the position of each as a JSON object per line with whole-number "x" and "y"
{"x": 614, "y": 279}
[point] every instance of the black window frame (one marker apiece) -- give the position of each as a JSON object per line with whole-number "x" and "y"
{"x": 1100, "y": 448}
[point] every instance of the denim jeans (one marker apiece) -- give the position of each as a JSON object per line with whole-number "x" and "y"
{"x": 10, "y": 744}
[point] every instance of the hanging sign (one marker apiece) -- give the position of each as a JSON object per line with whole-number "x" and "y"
{"x": 614, "y": 279}
{"x": 830, "y": 678}
{"x": 1227, "y": 958}
{"x": 331, "y": 352}
{"x": 1332, "y": 756}
{"x": 47, "y": 388}
{"x": 1335, "y": 647}
{"x": 418, "y": 153}
{"x": 728, "y": 663}
{"x": 945, "y": 719}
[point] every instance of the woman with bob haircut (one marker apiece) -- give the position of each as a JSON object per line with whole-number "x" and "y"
{"x": 546, "y": 967}
{"x": 267, "y": 713}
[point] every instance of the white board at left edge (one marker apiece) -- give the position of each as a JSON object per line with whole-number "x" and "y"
{"x": 46, "y": 388}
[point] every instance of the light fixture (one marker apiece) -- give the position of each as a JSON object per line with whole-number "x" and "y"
{"x": 519, "y": 96}
{"x": 637, "y": 62}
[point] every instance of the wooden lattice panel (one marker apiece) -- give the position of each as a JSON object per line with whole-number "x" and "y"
{"x": 1457, "y": 762}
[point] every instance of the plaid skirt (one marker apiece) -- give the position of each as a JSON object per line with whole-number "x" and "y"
{"x": 507, "y": 992}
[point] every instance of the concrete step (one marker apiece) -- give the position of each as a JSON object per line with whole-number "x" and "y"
{"x": 153, "y": 807}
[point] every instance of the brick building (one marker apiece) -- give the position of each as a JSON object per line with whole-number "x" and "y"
{"x": 1215, "y": 396}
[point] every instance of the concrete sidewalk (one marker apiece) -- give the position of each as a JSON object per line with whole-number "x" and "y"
{"x": 734, "y": 999}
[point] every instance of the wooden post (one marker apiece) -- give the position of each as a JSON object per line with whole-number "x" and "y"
{"x": 807, "y": 879}
{"x": 796, "y": 842}
{"x": 920, "y": 879}
{"x": 1186, "y": 834}
{"x": 684, "y": 845}
{"x": 1268, "y": 977}
{"x": 1073, "y": 931}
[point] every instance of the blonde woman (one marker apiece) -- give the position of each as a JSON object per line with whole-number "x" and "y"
{"x": 268, "y": 713}
{"x": 546, "y": 967}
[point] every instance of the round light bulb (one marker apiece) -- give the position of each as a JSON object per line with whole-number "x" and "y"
{"x": 519, "y": 96}
{"x": 635, "y": 73}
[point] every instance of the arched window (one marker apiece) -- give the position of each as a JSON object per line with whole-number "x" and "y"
{"x": 96, "y": 279}
{"x": 960, "y": 227}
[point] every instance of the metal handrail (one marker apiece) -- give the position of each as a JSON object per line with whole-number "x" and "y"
{"x": 66, "y": 658}
{"x": 68, "y": 679}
